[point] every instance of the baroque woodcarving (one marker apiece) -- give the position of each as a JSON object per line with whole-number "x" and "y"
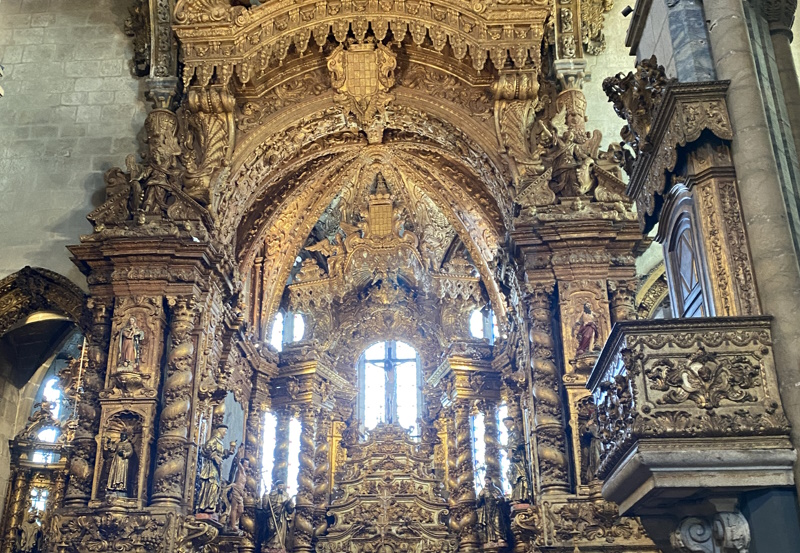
{"x": 423, "y": 173}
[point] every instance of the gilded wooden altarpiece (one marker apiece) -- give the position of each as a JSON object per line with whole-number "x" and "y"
{"x": 384, "y": 168}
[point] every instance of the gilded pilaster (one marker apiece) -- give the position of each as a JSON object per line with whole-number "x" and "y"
{"x": 711, "y": 178}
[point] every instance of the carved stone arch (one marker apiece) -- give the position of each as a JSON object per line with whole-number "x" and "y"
{"x": 33, "y": 289}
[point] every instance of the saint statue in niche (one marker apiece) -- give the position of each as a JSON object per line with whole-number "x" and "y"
{"x": 130, "y": 345}
{"x": 518, "y": 466}
{"x": 212, "y": 455}
{"x": 591, "y": 445}
{"x": 586, "y": 331}
{"x": 119, "y": 469}
{"x": 491, "y": 515}
{"x": 30, "y": 533}
{"x": 279, "y": 506}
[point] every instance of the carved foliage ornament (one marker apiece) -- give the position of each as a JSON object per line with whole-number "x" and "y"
{"x": 688, "y": 382}
{"x": 106, "y": 532}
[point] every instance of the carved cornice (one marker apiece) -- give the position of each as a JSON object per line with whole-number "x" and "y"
{"x": 218, "y": 38}
{"x": 686, "y": 111}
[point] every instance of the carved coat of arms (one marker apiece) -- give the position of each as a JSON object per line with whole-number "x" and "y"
{"x": 362, "y": 75}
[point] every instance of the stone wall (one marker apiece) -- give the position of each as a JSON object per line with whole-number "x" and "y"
{"x": 614, "y": 59}
{"x": 72, "y": 109}
{"x": 675, "y": 32}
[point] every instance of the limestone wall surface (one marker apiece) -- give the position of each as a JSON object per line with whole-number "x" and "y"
{"x": 614, "y": 59}
{"x": 72, "y": 109}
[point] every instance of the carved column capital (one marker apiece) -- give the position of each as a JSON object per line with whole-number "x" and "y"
{"x": 726, "y": 532}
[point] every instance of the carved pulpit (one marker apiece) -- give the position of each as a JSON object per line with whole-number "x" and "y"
{"x": 386, "y": 499}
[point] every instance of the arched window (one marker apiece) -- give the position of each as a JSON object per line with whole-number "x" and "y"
{"x": 389, "y": 378}
{"x": 483, "y": 325}
{"x": 268, "y": 442}
{"x": 286, "y": 329}
{"x": 684, "y": 258}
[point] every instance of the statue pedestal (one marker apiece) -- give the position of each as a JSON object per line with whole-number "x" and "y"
{"x": 495, "y": 547}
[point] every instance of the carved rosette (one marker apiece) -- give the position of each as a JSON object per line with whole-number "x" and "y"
{"x": 551, "y": 442}
{"x": 171, "y": 449}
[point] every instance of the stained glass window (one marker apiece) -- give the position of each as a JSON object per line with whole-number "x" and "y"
{"x": 39, "y": 499}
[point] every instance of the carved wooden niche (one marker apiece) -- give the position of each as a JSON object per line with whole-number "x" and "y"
{"x": 122, "y": 458}
{"x": 135, "y": 351}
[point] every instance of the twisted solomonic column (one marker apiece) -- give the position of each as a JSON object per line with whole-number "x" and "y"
{"x": 171, "y": 449}
{"x": 491, "y": 439}
{"x": 322, "y": 469}
{"x": 551, "y": 439}
{"x": 304, "y": 514}
{"x": 280, "y": 467}
{"x": 84, "y": 444}
{"x": 465, "y": 510}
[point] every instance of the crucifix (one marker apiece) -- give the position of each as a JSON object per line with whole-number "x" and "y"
{"x": 391, "y": 392}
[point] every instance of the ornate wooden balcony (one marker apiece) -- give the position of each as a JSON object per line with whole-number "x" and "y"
{"x": 688, "y": 405}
